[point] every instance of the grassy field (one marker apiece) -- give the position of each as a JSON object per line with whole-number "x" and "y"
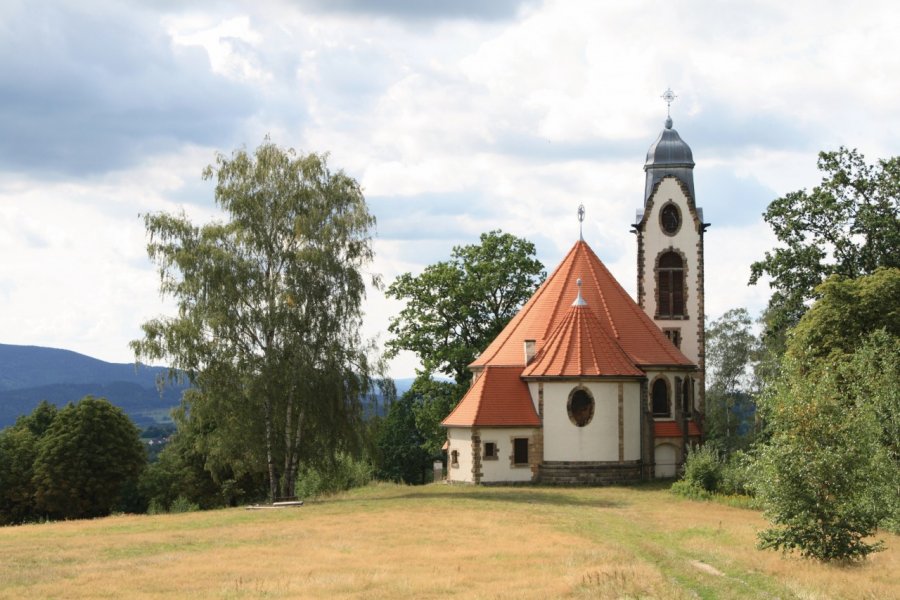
{"x": 437, "y": 541}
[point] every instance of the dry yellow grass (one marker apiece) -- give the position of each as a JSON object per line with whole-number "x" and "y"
{"x": 432, "y": 542}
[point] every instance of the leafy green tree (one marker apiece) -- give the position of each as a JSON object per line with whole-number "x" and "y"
{"x": 831, "y": 470}
{"x": 399, "y": 443}
{"x": 848, "y": 225}
{"x": 269, "y": 309}
{"x": 731, "y": 350}
{"x": 846, "y": 312}
{"x": 432, "y": 402}
{"x": 88, "y": 458}
{"x": 18, "y": 450}
{"x": 455, "y": 308}
{"x": 823, "y": 469}
{"x": 39, "y": 420}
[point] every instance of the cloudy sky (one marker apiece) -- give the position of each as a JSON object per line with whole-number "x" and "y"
{"x": 457, "y": 117}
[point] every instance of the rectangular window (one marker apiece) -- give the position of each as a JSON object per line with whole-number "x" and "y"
{"x": 520, "y": 451}
{"x": 490, "y": 451}
{"x": 454, "y": 458}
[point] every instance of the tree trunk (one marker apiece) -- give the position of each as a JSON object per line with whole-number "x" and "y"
{"x": 270, "y": 459}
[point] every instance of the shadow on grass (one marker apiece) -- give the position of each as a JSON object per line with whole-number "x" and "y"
{"x": 594, "y": 497}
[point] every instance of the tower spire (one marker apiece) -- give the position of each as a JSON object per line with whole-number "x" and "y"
{"x": 580, "y": 222}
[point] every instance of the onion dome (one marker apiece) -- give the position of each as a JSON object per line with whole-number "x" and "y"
{"x": 669, "y": 155}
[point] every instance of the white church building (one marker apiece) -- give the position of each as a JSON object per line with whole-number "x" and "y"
{"x": 586, "y": 384}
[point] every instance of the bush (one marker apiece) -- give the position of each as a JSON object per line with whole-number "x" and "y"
{"x": 703, "y": 469}
{"x": 183, "y": 505}
{"x": 737, "y": 474}
{"x": 343, "y": 473}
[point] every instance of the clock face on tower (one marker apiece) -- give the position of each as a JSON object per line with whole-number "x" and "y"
{"x": 670, "y": 219}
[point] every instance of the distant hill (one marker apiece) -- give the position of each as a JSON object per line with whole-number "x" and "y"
{"x": 29, "y": 374}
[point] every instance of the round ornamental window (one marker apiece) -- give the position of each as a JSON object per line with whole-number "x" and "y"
{"x": 581, "y": 407}
{"x": 670, "y": 219}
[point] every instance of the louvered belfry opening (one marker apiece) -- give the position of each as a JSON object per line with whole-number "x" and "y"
{"x": 670, "y": 278}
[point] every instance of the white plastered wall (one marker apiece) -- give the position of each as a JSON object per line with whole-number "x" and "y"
{"x": 460, "y": 439}
{"x": 502, "y": 468}
{"x": 599, "y": 439}
{"x": 684, "y": 240}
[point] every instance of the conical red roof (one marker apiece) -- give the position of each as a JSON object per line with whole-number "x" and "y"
{"x": 580, "y": 347}
{"x": 617, "y": 313}
{"x": 498, "y": 398}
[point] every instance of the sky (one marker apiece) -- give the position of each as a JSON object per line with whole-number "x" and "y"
{"x": 456, "y": 118}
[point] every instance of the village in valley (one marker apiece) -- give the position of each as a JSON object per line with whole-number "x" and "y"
{"x": 418, "y": 300}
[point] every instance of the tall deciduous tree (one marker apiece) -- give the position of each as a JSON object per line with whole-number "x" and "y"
{"x": 18, "y": 450}
{"x": 269, "y": 308}
{"x": 455, "y": 308}
{"x": 731, "y": 349}
{"x": 848, "y": 225}
{"x": 90, "y": 456}
{"x": 831, "y": 469}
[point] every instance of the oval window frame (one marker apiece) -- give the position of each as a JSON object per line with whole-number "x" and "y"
{"x": 678, "y": 217}
{"x": 584, "y": 421}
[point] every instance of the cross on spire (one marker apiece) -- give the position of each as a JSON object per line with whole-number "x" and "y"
{"x": 669, "y": 96}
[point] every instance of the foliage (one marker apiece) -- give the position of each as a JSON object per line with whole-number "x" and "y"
{"x": 731, "y": 354}
{"x": 87, "y": 459}
{"x": 269, "y": 308}
{"x": 823, "y": 469}
{"x": 855, "y": 325}
{"x": 341, "y": 473}
{"x": 183, "y": 505}
{"x": 188, "y": 467}
{"x": 845, "y": 312}
{"x": 401, "y": 456}
{"x": 872, "y": 376}
{"x": 831, "y": 471}
{"x": 848, "y": 225}
{"x": 454, "y": 309}
{"x": 432, "y": 401}
{"x": 702, "y": 473}
{"x": 737, "y": 474}
{"x": 18, "y": 449}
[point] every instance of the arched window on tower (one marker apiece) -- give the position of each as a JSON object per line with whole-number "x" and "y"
{"x": 670, "y": 285}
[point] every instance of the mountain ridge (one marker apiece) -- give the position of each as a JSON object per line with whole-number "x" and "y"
{"x": 30, "y": 374}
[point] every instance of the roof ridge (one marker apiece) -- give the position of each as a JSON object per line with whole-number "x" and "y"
{"x": 527, "y": 308}
{"x": 609, "y": 318}
{"x": 594, "y": 356}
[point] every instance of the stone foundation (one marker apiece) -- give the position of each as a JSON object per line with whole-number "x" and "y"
{"x": 589, "y": 473}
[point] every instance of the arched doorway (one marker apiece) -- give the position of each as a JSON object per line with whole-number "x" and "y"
{"x": 666, "y": 461}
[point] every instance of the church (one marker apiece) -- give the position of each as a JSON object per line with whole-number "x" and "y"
{"x": 587, "y": 385}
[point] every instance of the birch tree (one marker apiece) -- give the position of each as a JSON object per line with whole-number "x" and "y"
{"x": 269, "y": 308}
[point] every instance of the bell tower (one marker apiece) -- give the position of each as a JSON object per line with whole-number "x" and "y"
{"x": 669, "y": 228}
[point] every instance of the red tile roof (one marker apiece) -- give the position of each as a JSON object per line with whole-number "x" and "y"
{"x": 499, "y": 398}
{"x": 618, "y": 314}
{"x": 581, "y": 346}
{"x": 673, "y": 429}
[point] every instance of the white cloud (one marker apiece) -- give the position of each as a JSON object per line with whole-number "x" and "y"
{"x": 452, "y": 124}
